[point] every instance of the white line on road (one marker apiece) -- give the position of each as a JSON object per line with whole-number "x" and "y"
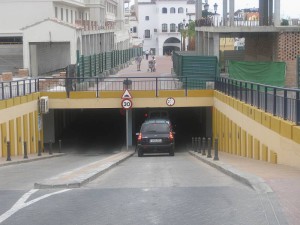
{"x": 21, "y": 203}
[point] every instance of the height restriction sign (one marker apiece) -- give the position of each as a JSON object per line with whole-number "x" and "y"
{"x": 126, "y": 104}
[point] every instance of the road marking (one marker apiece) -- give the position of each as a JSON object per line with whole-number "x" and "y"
{"x": 21, "y": 203}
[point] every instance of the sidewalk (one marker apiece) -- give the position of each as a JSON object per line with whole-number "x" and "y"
{"x": 31, "y": 158}
{"x": 283, "y": 181}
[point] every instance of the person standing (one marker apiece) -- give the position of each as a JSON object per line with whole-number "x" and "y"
{"x": 138, "y": 61}
{"x": 147, "y": 54}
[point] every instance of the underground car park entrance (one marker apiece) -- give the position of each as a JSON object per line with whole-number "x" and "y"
{"x": 91, "y": 129}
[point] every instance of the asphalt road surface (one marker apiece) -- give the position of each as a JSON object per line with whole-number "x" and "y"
{"x": 155, "y": 189}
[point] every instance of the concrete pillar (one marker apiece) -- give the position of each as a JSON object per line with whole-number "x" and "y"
{"x": 225, "y": 9}
{"x": 270, "y": 21}
{"x": 231, "y": 12}
{"x": 129, "y": 131}
{"x": 277, "y": 13}
{"x": 216, "y": 44}
{"x": 266, "y": 13}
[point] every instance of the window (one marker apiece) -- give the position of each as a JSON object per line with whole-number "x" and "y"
{"x": 134, "y": 29}
{"x": 56, "y": 13}
{"x": 164, "y": 27}
{"x": 164, "y": 10}
{"x": 180, "y": 26}
{"x": 172, "y": 27}
{"x": 146, "y": 17}
{"x": 180, "y": 10}
{"x": 172, "y": 10}
{"x": 71, "y": 16}
{"x": 147, "y": 33}
{"x": 67, "y": 15}
{"x": 61, "y": 14}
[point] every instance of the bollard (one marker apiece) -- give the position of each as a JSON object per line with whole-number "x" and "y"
{"x": 39, "y": 149}
{"x": 208, "y": 148}
{"x": 216, "y": 157}
{"x": 199, "y": 144}
{"x": 203, "y": 146}
{"x": 50, "y": 147}
{"x": 8, "y": 152}
{"x": 59, "y": 146}
{"x": 25, "y": 150}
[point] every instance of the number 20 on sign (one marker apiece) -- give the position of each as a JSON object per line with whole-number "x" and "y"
{"x": 126, "y": 104}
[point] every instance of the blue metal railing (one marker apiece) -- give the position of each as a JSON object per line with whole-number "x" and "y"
{"x": 281, "y": 102}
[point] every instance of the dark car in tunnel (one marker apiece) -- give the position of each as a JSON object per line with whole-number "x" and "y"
{"x": 156, "y": 135}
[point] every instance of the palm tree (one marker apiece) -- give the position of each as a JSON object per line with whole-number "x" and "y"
{"x": 188, "y": 31}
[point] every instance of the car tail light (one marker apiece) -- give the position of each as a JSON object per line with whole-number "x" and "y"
{"x": 140, "y": 137}
{"x": 171, "y": 136}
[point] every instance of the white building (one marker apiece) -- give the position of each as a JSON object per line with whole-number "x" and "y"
{"x": 160, "y": 22}
{"x": 52, "y": 33}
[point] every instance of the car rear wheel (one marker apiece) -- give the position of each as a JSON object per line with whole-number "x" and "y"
{"x": 171, "y": 153}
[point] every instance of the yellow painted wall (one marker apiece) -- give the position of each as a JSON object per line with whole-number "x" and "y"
{"x": 257, "y": 127}
{"x": 17, "y": 124}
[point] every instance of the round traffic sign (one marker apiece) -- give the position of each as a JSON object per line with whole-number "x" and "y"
{"x": 126, "y": 104}
{"x": 170, "y": 101}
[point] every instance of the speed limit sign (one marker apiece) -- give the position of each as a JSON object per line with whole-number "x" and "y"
{"x": 126, "y": 104}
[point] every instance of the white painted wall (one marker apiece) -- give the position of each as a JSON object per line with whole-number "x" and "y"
{"x": 157, "y": 18}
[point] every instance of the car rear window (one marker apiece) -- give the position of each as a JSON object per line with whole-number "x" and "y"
{"x": 155, "y": 128}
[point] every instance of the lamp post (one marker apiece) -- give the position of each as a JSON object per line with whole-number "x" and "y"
{"x": 215, "y": 8}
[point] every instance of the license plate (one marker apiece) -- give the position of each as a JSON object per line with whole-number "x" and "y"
{"x": 155, "y": 140}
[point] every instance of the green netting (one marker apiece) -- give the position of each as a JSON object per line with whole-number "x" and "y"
{"x": 270, "y": 73}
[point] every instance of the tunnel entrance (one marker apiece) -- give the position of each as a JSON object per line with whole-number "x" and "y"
{"x": 104, "y": 130}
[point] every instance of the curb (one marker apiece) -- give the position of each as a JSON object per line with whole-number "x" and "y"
{"x": 254, "y": 182}
{"x": 32, "y": 159}
{"x": 81, "y": 180}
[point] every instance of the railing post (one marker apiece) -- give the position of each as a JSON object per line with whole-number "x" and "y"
{"x": 251, "y": 94}
{"x": 298, "y": 108}
{"x": 156, "y": 87}
{"x": 274, "y": 101}
{"x": 285, "y": 104}
{"x": 208, "y": 148}
{"x": 246, "y": 92}
{"x": 216, "y": 157}
{"x": 10, "y": 90}
{"x": 241, "y": 91}
{"x": 258, "y": 97}
{"x": 236, "y": 90}
{"x": 18, "y": 91}
{"x": 30, "y": 86}
{"x": 37, "y": 86}
{"x": 266, "y": 99}
{"x": 186, "y": 85}
{"x": 97, "y": 93}
{"x": 2, "y": 88}
{"x": 24, "y": 87}
{"x": 25, "y": 150}
{"x": 8, "y": 151}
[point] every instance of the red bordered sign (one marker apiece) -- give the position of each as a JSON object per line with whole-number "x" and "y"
{"x": 126, "y": 104}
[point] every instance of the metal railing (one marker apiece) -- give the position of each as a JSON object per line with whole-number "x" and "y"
{"x": 23, "y": 87}
{"x": 281, "y": 102}
{"x": 18, "y": 88}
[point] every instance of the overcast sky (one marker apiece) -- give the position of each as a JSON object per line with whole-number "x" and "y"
{"x": 289, "y": 8}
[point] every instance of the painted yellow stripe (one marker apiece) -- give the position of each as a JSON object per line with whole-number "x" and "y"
{"x": 55, "y": 95}
{"x": 173, "y": 93}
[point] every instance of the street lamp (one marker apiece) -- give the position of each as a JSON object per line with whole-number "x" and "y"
{"x": 215, "y": 8}
{"x": 206, "y": 7}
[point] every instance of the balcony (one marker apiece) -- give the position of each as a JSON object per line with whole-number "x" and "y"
{"x": 89, "y": 25}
